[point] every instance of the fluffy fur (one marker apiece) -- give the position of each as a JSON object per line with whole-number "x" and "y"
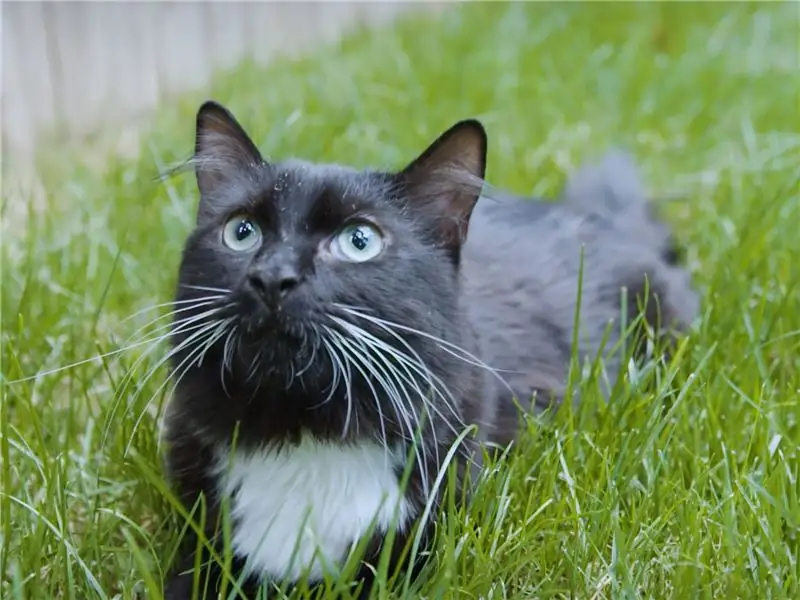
{"x": 308, "y": 375}
{"x": 332, "y": 494}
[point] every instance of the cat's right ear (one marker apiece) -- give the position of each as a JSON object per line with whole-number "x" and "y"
{"x": 222, "y": 150}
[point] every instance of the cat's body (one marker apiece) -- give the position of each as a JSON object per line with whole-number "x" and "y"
{"x": 523, "y": 261}
{"x": 367, "y": 305}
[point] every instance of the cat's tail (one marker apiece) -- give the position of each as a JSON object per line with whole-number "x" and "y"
{"x": 610, "y": 186}
{"x": 611, "y": 190}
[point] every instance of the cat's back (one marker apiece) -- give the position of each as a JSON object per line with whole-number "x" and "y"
{"x": 524, "y": 259}
{"x": 514, "y": 263}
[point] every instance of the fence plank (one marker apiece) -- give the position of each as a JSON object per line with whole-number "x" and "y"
{"x": 83, "y": 65}
{"x": 227, "y": 24}
{"x": 28, "y": 98}
{"x": 134, "y": 75}
{"x": 180, "y": 31}
{"x": 78, "y": 62}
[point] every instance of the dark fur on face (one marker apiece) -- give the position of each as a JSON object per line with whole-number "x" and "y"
{"x": 284, "y": 331}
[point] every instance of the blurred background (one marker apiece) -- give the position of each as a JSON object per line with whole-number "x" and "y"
{"x": 90, "y": 88}
{"x": 73, "y": 68}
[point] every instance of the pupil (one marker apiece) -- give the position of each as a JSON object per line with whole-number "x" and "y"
{"x": 244, "y": 230}
{"x": 359, "y": 239}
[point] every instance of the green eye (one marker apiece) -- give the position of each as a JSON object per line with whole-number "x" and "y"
{"x": 241, "y": 233}
{"x": 359, "y": 242}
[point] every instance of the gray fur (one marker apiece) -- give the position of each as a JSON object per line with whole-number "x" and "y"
{"x": 521, "y": 266}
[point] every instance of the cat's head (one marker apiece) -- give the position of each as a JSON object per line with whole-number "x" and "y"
{"x": 286, "y": 256}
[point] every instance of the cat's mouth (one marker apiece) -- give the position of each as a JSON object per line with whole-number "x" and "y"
{"x": 258, "y": 320}
{"x": 287, "y": 327}
{"x": 274, "y": 326}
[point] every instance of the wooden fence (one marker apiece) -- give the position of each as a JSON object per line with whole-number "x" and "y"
{"x": 76, "y": 67}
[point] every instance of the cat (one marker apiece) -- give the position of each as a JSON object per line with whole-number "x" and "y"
{"x": 329, "y": 316}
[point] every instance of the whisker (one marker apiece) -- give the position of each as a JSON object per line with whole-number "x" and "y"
{"x": 251, "y": 371}
{"x": 217, "y": 331}
{"x": 419, "y": 450}
{"x": 338, "y": 370}
{"x": 446, "y": 346}
{"x": 357, "y": 334}
{"x": 355, "y": 359}
{"x": 183, "y": 325}
{"x": 379, "y": 347}
{"x": 345, "y": 363}
{"x": 197, "y": 330}
{"x": 203, "y": 288}
{"x": 227, "y": 358}
{"x": 314, "y": 348}
{"x": 175, "y": 325}
{"x": 227, "y": 352}
{"x": 172, "y": 313}
{"x": 455, "y": 347}
{"x": 416, "y": 364}
{"x": 396, "y": 402}
{"x": 362, "y": 360}
{"x": 91, "y": 359}
{"x": 205, "y": 299}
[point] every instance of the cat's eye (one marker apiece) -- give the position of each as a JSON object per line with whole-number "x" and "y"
{"x": 241, "y": 233}
{"x": 358, "y": 242}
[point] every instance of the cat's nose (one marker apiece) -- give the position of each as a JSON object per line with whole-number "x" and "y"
{"x": 274, "y": 287}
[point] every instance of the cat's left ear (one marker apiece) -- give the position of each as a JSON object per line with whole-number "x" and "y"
{"x": 446, "y": 180}
{"x": 223, "y": 150}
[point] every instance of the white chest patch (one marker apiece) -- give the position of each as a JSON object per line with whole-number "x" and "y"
{"x": 305, "y": 507}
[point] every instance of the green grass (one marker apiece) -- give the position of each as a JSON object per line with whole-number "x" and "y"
{"x": 686, "y": 485}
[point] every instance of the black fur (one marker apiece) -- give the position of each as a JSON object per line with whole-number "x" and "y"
{"x": 497, "y": 279}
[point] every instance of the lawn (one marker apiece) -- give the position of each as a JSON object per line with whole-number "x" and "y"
{"x": 685, "y": 485}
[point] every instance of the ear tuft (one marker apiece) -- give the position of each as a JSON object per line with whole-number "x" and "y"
{"x": 446, "y": 180}
{"x": 222, "y": 147}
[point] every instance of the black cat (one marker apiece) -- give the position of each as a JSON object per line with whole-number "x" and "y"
{"x": 329, "y": 317}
